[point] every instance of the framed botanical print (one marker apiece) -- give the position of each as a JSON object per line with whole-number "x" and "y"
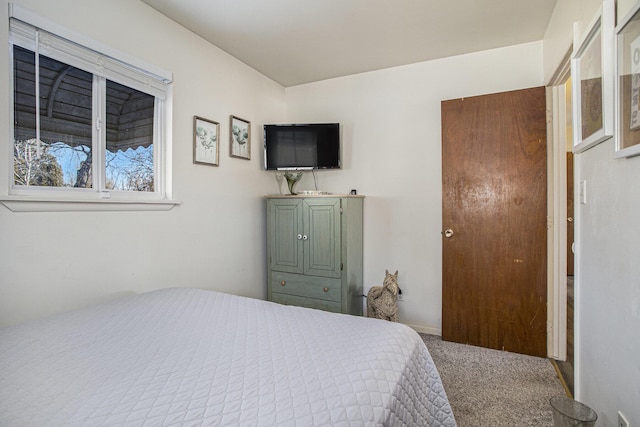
{"x": 206, "y": 141}
{"x": 240, "y": 138}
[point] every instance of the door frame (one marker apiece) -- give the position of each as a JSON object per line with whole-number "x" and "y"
{"x": 557, "y": 211}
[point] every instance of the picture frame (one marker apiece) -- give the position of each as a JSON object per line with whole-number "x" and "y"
{"x": 592, "y": 75}
{"x": 239, "y": 138}
{"x": 627, "y": 73}
{"x": 206, "y": 141}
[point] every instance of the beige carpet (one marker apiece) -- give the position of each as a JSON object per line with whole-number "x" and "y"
{"x": 495, "y": 388}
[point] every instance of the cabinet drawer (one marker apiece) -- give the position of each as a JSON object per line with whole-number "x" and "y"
{"x": 306, "y": 286}
{"x": 333, "y": 306}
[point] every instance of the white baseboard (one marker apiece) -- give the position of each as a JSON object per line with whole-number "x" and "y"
{"x": 426, "y": 329}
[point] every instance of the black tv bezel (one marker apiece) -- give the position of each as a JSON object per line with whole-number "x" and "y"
{"x": 302, "y": 168}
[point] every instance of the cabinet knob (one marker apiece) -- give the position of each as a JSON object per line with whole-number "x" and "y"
{"x": 305, "y": 237}
{"x": 299, "y": 236}
{"x": 326, "y": 289}
{"x": 283, "y": 283}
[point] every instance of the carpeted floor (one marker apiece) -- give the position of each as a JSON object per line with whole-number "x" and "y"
{"x": 495, "y": 388}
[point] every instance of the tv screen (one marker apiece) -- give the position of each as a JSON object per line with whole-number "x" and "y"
{"x": 302, "y": 146}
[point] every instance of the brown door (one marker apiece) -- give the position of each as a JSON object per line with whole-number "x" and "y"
{"x": 494, "y": 198}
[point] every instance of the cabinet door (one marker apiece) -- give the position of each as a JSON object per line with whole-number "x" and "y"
{"x": 321, "y": 237}
{"x": 285, "y": 240}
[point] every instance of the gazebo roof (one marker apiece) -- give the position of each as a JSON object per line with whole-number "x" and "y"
{"x": 66, "y": 106}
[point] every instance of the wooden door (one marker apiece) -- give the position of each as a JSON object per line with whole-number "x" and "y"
{"x": 322, "y": 237}
{"x": 494, "y": 167}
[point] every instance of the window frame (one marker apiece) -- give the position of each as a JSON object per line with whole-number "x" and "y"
{"x": 107, "y": 64}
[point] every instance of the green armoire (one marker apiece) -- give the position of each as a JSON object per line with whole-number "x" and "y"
{"x": 314, "y": 252}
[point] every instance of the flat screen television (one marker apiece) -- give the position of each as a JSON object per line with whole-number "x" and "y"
{"x": 302, "y": 146}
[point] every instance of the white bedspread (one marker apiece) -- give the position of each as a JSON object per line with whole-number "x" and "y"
{"x": 188, "y": 357}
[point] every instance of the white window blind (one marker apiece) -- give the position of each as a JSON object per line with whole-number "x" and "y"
{"x": 55, "y": 47}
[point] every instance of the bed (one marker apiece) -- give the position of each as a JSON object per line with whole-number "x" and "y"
{"x": 191, "y": 357}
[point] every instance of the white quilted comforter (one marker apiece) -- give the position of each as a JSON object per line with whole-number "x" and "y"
{"x": 188, "y": 357}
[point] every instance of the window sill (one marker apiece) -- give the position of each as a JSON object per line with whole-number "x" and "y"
{"x": 24, "y": 204}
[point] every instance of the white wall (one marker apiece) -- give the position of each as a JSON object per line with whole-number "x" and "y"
{"x": 558, "y": 38}
{"x": 608, "y": 298}
{"x": 392, "y": 154}
{"x": 51, "y": 262}
{"x": 607, "y": 304}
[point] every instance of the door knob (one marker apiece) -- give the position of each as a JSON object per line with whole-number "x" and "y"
{"x": 448, "y": 233}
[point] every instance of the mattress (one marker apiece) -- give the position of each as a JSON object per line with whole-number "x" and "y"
{"x": 189, "y": 357}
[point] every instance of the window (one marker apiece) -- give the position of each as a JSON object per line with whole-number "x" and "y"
{"x": 85, "y": 125}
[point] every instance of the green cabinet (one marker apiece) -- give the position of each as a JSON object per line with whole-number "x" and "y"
{"x": 314, "y": 250}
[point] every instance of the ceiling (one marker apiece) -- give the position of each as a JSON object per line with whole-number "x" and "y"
{"x": 301, "y": 41}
